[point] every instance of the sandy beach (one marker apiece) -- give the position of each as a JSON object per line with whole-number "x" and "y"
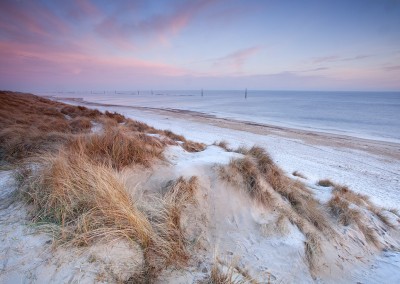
{"x": 380, "y": 148}
{"x": 368, "y": 166}
{"x": 327, "y": 202}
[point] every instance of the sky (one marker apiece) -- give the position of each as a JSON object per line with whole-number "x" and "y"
{"x": 175, "y": 44}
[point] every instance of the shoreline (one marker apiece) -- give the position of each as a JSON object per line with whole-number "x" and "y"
{"x": 389, "y": 150}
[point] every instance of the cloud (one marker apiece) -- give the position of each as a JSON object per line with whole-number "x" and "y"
{"x": 357, "y": 57}
{"x": 81, "y": 9}
{"x": 392, "y": 68}
{"x": 311, "y": 70}
{"x": 20, "y": 64}
{"x": 336, "y": 58}
{"x": 236, "y": 59}
{"x": 325, "y": 59}
{"x": 159, "y": 26}
{"x": 25, "y": 21}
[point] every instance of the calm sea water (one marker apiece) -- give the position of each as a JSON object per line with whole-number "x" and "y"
{"x": 363, "y": 114}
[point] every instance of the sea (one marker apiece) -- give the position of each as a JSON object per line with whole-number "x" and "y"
{"x": 371, "y": 115}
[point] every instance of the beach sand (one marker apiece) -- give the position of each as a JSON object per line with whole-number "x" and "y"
{"x": 225, "y": 225}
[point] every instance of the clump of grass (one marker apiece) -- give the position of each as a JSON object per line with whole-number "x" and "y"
{"x": 298, "y": 174}
{"x": 312, "y": 248}
{"x": 381, "y": 215}
{"x": 174, "y": 136}
{"x": 30, "y": 124}
{"x": 18, "y": 143}
{"x": 362, "y": 201}
{"x": 340, "y": 208}
{"x": 244, "y": 172}
{"x": 227, "y": 274}
{"x": 325, "y": 183}
{"x": 369, "y": 234}
{"x": 119, "y": 118}
{"x": 170, "y": 246}
{"x": 294, "y": 192}
{"x": 192, "y": 146}
{"x": 138, "y": 126}
{"x": 258, "y": 169}
{"x": 80, "y": 124}
{"x": 75, "y": 111}
{"x": 117, "y": 149}
{"x": 87, "y": 200}
{"x": 351, "y": 196}
{"x": 180, "y": 194}
{"x": 241, "y": 150}
{"x": 303, "y": 210}
{"x": 223, "y": 144}
{"x": 188, "y": 145}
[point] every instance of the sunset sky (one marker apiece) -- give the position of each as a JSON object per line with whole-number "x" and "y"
{"x": 129, "y": 45}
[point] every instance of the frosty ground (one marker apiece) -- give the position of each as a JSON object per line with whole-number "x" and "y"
{"x": 374, "y": 174}
{"x": 346, "y": 160}
{"x": 238, "y": 231}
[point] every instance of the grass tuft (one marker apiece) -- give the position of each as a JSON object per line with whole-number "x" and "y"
{"x": 180, "y": 194}
{"x": 227, "y": 274}
{"x": 87, "y": 200}
{"x": 325, "y": 183}
{"x": 312, "y": 247}
{"x": 223, "y": 144}
{"x": 117, "y": 149}
{"x": 340, "y": 208}
{"x": 244, "y": 173}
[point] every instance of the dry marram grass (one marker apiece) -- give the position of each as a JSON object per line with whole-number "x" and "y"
{"x": 223, "y": 144}
{"x": 72, "y": 176}
{"x": 87, "y": 200}
{"x": 257, "y": 174}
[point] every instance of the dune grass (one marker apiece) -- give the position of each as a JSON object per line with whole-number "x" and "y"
{"x": 117, "y": 149}
{"x": 224, "y": 145}
{"x": 257, "y": 174}
{"x": 243, "y": 173}
{"x": 340, "y": 208}
{"x": 72, "y": 176}
{"x": 223, "y": 273}
{"x": 30, "y": 125}
{"x": 294, "y": 192}
{"x": 325, "y": 183}
{"x": 85, "y": 199}
{"x": 180, "y": 193}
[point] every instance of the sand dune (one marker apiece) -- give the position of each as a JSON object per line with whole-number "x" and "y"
{"x": 120, "y": 201}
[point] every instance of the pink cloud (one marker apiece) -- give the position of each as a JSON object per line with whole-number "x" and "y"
{"x": 41, "y": 66}
{"x": 82, "y": 9}
{"x": 29, "y": 21}
{"x": 237, "y": 59}
{"x": 159, "y": 26}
